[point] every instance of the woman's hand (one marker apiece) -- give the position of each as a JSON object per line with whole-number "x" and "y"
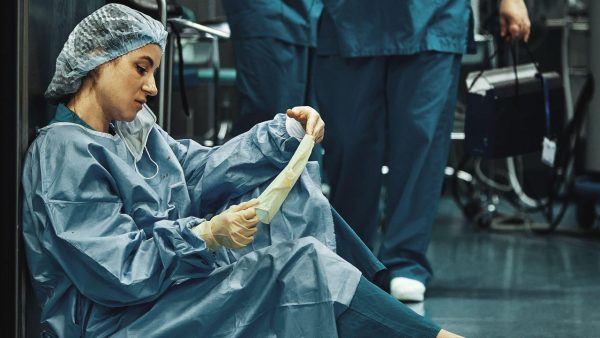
{"x": 234, "y": 228}
{"x": 311, "y": 121}
{"x": 514, "y": 20}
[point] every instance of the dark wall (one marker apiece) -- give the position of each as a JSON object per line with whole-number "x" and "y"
{"x": 50, "y": 22}
{"x": 8, "y": 97}
{"x": 46, "y": 25}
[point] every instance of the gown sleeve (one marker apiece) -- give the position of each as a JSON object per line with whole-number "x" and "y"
{"x": 83, "y": 227}
{"x": 219, "y": 174}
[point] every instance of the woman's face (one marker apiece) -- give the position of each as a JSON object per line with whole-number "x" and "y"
{"x": 123, "y": 85}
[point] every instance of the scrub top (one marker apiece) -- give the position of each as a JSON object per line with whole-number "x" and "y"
{"x": 293, "y": 21}
{"x": 358, "y": 28}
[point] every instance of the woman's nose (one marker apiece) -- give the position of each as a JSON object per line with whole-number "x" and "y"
{"x": 150, "y": 86}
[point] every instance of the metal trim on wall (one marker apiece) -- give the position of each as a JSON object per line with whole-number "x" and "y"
{"x": 22, "y": 126}
{"x": 162, "y": 6}
{"x": 592, "y": 158}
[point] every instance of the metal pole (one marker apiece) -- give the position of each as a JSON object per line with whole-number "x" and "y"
{"x": 216, "y": 68}
{"x": 22, "y": 129}
{"x": 201, "y": 28}
{"x": 162, "y": 7}
{"x": 169, "y": 79}
{"x": 565, "y": 62}
{"x": 592, "y": 156}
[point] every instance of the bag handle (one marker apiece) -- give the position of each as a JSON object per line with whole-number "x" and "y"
{"x": 514, "y": 57}
{"x": 544, "y": 84}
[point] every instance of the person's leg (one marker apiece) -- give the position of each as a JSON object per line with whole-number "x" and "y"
{"x": 354, "y": 251}
{"x": 271, "y": 75}
{"x": 290, "y": 289}
{"x": 421, "y": 92}
{"x": 349, "y": 93}
{"x": 374, "y": 313}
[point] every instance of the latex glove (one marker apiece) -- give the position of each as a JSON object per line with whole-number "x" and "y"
{"x": 234, "y": 228}
{"x": 514, "y": 20}
{"x": 272, "y": 198}
{"x": 311, "y": 121}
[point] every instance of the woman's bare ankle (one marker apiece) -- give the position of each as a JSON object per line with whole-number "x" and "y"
{"x": 445, "y": 334}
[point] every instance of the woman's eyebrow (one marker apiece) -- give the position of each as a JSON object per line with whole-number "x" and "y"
{"x": 149, "y": 59}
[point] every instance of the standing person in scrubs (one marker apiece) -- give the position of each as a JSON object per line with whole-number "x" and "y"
{"x": 273, "y": 43}
{"x": 116, "y": 224}
{"x": 392, "y": 67}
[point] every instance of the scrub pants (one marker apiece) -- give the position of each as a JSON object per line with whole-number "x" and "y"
{"x": 374, "y": 313}
{"x": 271, "y": 76}
{"x": 411, "y": 98}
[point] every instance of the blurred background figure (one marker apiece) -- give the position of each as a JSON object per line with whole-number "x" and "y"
{"x": 273, "y": 42}
{"x": 386, "y": 84}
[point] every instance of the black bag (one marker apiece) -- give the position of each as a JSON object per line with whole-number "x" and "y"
{"x": 508, "y": 115}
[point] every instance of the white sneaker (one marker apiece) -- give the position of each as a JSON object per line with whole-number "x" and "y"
{"x": 406, "y": 289}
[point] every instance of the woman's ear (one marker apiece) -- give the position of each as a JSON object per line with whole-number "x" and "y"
{"x": 93, "y": 75}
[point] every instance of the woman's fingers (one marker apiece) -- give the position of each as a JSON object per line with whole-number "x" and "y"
{"x": 310, "y": 120}
{"x": 295, "y": 114}
{"x": 319, "y": 131}
{"x": 244, "y": 205}
{"x": 248, "y": 214}
{"x": 248, "y": 232}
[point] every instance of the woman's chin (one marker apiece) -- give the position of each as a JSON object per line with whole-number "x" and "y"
{"x": 128, "y": 117}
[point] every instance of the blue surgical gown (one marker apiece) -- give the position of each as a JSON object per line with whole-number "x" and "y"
{"x": 112, "y": 254}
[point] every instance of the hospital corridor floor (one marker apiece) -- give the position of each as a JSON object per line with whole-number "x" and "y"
{"x": 512, "y": 283}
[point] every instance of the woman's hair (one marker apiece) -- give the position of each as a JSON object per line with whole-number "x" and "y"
{"x": 109, "y": 32}
{"x": 91, "y": 76}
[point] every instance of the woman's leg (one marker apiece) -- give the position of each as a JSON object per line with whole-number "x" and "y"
{"x": 421, "y": 91}
{"x": 289, "y": 289}
{"x": 353, "y": 250}
{"x": 374, "y": 313}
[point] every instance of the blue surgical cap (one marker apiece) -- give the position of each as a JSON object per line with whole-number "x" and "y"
{"x": 109, "y": 32}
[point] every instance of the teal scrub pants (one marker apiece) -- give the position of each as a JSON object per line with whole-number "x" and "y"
{"x": 374, "y": 313}
{"x": 411, "y": 99}
{"x": 271, "y": 76}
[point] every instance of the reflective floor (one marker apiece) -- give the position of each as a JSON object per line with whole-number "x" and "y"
{"x": 512, "y": 284}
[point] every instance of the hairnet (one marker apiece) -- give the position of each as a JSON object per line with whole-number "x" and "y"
{"x": 109, "y": 32}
